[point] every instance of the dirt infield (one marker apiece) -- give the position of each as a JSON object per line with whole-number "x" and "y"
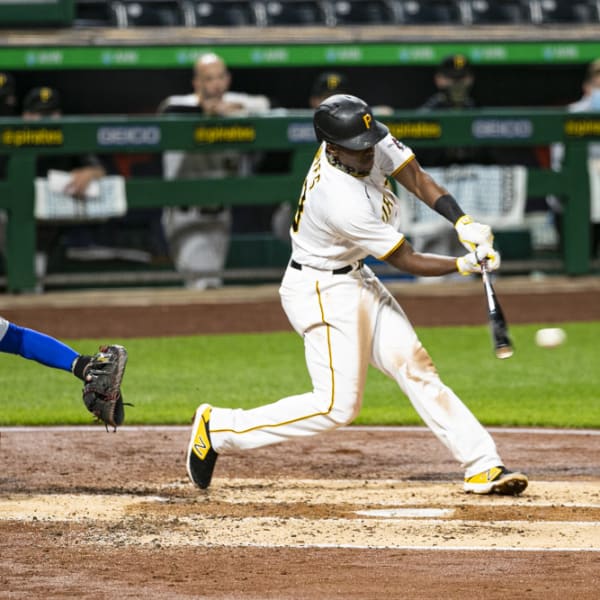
{"x": 290, "y": 522}
{"x": 357, "y": 513}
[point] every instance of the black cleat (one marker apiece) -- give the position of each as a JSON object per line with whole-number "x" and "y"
{"x": 201, "y": 457}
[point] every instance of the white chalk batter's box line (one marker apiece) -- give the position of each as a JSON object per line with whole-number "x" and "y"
{"x": 419, "y": 548}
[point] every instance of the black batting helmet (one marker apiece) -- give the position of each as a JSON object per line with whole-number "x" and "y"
{"x": 347, "y": 121}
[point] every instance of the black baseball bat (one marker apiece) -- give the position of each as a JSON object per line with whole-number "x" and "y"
{"x": 503, "y": 347}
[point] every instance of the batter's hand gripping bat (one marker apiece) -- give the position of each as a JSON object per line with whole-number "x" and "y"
{"x": 498, "y": 327}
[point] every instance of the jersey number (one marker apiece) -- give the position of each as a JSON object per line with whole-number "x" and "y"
{"x": 299, "y": 210}
{"x": 315, "y": 170}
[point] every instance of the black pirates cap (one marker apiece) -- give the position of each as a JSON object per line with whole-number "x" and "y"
{"x": 329, "y": 83}
{"x": 8, "y": 100}
{"x": 455, "y": 66}
{"x": 7, "y": 84}
{"x": 43, "y": 100}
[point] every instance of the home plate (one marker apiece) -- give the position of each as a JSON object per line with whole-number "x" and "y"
{"x": 407, "y": 513}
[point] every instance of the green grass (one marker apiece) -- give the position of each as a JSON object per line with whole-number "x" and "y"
{"x": 167, "y": 378}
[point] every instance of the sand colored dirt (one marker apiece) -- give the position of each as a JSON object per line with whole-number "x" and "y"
{"x": 317, "y": 513}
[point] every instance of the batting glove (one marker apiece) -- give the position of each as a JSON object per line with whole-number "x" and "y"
{"x": 472, "y": 234}
{"x": 471, "y": 263}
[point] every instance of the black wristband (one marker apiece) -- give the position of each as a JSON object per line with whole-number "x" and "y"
{"x": 81, "y": 362}
{"x": 448, "y": 207}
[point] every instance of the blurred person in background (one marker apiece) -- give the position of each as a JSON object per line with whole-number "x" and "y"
{"x": 329, "y": 83}
{"x": 8, "y": 98}
{"x": 8, "y": 108}
{"x": 589, "y": 102}
{"x": 43, "y": 103}
{"x": 454, "y": 80}
{"x": 199, "y": 236}
{"x": 326, "y": 84}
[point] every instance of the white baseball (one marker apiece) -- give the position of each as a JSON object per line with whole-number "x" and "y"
{"x": 550, "y": 337}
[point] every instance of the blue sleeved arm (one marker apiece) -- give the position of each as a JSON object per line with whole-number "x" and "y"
{"x": 37, "y": 346}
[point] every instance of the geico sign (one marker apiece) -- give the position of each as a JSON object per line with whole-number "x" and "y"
{"x": 128, "y": 136}
{"x": 502, "y": 128}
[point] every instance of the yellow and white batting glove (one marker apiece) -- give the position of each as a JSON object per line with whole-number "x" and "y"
{"x": 472, "y": 234}
{"x": 471, "y": 263}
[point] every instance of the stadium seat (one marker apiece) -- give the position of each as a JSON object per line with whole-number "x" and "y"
{"x": 292, "y": 12}
{"x": 360, "y": 12}
{"x": 153, "y": 13}
{"x": 495, "y": 12}
{"x": 567, "y": 11}
{"x": 223, "y": 13}
{"x": 430, "y": 12}
{"x": 96, "y": 13}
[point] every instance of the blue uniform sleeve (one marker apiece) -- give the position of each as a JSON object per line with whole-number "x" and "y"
{"x": 37, "y": 346}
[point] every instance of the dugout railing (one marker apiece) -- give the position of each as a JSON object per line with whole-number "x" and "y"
{"x": 23, "y": 141}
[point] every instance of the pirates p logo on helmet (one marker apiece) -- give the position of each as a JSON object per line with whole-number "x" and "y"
{"x": 347, "y": 121}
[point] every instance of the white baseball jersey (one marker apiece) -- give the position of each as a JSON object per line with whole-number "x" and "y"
{"x": 342, "y": 219}
{"x": 349, "y": 320}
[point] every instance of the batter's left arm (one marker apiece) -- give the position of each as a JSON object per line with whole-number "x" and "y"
{"x": 423, "y": 186}
{"x": 420, "y": 183}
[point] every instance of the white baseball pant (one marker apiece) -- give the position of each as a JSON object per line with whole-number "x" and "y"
{"x": 348, "y": 321}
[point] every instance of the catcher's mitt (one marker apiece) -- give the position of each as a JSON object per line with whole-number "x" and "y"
{"x": 102, "y": 385}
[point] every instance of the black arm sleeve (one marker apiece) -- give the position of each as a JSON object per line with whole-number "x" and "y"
{"x": 448, "y": 207}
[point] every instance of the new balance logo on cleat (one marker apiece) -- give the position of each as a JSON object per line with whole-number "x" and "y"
{"x": 497, "y": 480}
{"x": 201, "y": 457}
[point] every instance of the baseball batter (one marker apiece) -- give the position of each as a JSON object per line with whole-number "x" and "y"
{"x": 347, "y": 318}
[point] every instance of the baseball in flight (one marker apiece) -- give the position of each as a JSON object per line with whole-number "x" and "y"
{"x": 550, "y": 337}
